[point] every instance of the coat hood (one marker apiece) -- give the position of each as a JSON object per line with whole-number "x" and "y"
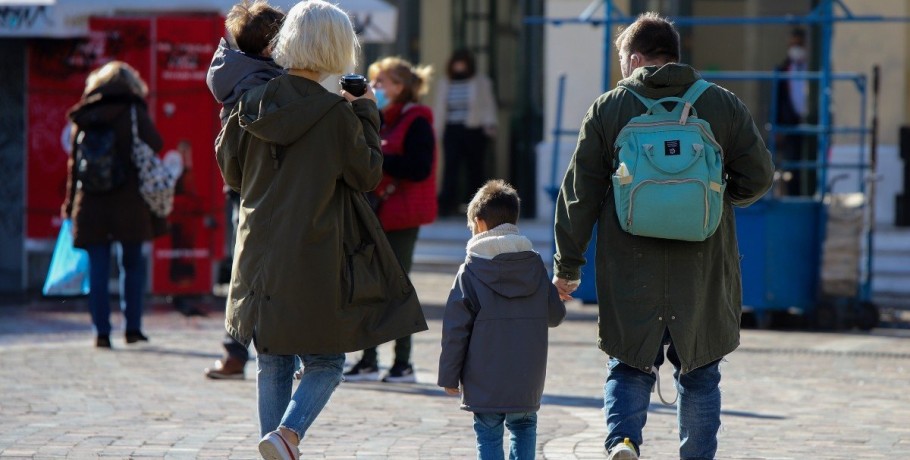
{"x": 499, "y": 258}
{"x": 656, "y": 82}
{"x": 284, "y": 109}
{"x": 104, "y": 105}
{"x": 233, "y": 72}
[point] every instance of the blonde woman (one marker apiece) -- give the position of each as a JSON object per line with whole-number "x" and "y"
{"x": 407, "y": 193}
{"x": 108, "y": 211}
{"x": 300, "y": 157}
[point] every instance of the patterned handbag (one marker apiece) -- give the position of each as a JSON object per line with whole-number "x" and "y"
{"x": 156, "y": 182}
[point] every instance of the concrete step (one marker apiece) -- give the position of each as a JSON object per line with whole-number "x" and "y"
{"x": 441, "y": 245}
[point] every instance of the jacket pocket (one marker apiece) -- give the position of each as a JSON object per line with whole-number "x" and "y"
{"x": 363, "y": 277}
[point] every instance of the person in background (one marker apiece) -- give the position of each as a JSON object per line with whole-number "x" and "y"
{"x": 301, "y": 159}
{"x": 251, "y": 26}
{"x": 118, "y": 215}
{"x": 655, "y": 294}
{"x": 467, "y": 117}
{"x": 494, "y": 330}
{"x": 792, "y": 110}
{"x": 406, "y": 196}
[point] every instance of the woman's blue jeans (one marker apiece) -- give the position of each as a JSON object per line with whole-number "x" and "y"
{"x": 523, "y": 435}
{"x": 627, "y": 395}
{"x": 132, "y": 285}
{"x": 275, "y": 380}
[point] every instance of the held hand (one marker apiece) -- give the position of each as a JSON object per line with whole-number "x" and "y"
{"x": 565, "y": 287}
{"x": 453, "y": 391}
{"x": 369, "y": 94}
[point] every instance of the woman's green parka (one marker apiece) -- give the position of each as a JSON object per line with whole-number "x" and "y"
{"x": 301, "y": 158}
{"x": 646, "y": 286}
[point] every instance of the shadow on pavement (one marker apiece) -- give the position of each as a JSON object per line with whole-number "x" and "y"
{"x": 597, "y": 403}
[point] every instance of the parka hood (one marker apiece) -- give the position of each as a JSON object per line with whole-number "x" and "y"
{"x": 656, "y": 82}
{"x": 231, "y": 73}
{"x": 262, "y": 116}
{"x": 499, "y": 259}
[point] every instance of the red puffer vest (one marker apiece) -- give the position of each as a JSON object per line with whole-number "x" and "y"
{"x": 412, "y": 204}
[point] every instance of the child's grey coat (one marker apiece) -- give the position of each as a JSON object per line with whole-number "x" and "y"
{"x": 494, "y": 333}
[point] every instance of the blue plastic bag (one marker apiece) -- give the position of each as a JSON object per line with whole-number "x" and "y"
{"x": 68, "y": 274}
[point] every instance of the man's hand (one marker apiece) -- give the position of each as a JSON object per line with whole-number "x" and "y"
{"x": 565, "y": 287}
{"x": 453, "y": 391}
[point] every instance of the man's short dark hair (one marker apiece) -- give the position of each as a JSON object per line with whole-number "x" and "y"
{"x": 253, "y": 25}
{"x": 496, "y": 203}
{"x": 652, "y": 36}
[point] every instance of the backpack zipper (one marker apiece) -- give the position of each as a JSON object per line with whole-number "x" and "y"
{"x": 707, "y": 135}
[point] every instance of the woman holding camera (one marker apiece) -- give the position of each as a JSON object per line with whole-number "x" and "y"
{"x": 406, "y": 197}
{"x": 301, "y": 158}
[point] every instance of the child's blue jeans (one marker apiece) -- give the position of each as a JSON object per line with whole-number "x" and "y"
{"x": 523, "y": 438}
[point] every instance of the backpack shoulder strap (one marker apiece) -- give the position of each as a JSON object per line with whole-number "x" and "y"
{"x": 649, "y": 103}
{"x": 696, "y": 90}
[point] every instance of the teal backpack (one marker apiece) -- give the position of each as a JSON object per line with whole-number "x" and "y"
{"x": 669, "y": 179}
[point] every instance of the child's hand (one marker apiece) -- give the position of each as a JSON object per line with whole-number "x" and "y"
{"x": 453, "y": 391}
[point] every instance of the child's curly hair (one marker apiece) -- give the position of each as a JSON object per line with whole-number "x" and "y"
{"x": 253, "y": 25}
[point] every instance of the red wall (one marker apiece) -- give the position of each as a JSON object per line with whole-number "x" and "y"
{"x": 172, "y": 54}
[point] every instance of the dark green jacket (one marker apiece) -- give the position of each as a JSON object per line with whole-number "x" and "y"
{"x": 647, "y": 285}
{"x": 312, "y": 271}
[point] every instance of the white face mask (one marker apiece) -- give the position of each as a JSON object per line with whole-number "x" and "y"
{"x": 796, "y": 53}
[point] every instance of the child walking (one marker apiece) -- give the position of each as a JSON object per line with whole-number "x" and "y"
{"x": 494, "y": 331}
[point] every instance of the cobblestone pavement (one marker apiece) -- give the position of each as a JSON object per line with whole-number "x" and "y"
{"x": 787, "y": 395}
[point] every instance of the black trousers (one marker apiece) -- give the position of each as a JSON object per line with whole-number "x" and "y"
{"x": 402, "y": 242}
{"x": 464, "y": 172}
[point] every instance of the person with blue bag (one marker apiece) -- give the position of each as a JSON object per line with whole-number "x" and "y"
{"x": 103, "y": 199}
{"x": 660, "y": 162}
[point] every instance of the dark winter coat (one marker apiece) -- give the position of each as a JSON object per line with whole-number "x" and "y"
{"x": 648, "y": 285}
{"x": 121, "y": 214}
{"x": 313, "y": 272}
{"x": 494, "y": 331}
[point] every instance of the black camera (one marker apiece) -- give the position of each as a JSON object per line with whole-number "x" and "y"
{"x": 354, "y": 84}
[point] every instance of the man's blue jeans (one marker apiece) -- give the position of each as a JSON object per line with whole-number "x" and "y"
{"x": 627, "y": 395}
{"x": 275, "y": 379}
{"x": 132, "y": 285}
{"x": 523, "y": 438}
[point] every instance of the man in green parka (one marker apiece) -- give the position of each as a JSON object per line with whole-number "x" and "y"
{"x": 651, "y": 291}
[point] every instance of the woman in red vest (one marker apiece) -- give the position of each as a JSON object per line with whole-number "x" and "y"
{"x": 407, "y": 193}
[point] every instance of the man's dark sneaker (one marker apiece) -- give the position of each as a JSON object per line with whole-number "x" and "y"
{"x": 362, "y": 372}
{"x": 103, "y": 341}
{"x": 229, "y": 368}
{"x": 401, "y": 373}
{"x": 135, "y": 336}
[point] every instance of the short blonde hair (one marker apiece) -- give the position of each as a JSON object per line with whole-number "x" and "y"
{"x": 416, "y": 80}
{"x": 316, "y": 36}
{"x": 116, "y": 72}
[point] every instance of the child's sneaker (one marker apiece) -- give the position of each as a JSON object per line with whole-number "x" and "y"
{"x": 273, "y": 446}
{"x": 401, "y": 373}
{"x": 623, "y": 451}
{"x": 362, "y": 372}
